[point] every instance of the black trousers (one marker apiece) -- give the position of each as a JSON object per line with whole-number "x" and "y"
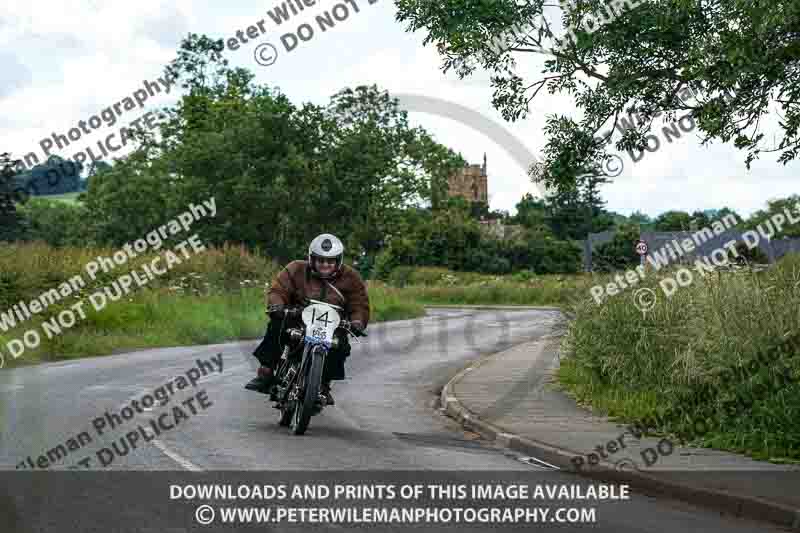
{"x": 269, "y": 351}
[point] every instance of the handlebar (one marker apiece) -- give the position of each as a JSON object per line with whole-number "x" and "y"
{"x": 288, "y": 310}
{"x": 348, "y": 326}
{"x": 297, "y": 310}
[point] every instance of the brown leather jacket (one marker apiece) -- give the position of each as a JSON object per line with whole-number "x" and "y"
{"x": 347, "y": 289}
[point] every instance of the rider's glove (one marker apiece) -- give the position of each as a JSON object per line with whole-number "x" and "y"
{"x": 275, "y": 312}
{"x": 357, "y": 327}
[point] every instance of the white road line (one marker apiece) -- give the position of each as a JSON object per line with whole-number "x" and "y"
{"x": 532, "y": 460}
{"x": 185, "y": 463}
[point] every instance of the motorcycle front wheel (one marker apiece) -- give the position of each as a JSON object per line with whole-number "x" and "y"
{"x": 309, "y": 383}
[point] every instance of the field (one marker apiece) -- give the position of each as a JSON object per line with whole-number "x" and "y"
{"x": 70, "y": 197}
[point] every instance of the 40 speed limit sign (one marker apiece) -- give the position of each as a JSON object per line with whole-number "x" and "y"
{"x": 641, "y": 247}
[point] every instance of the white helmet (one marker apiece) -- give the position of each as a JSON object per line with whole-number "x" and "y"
{"x": 328, "y": 246}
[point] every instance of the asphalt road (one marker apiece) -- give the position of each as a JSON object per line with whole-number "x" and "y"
{"x": 386, "y": 417}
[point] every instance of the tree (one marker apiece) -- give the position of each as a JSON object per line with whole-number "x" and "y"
{"x": 619, "y": 253}
{"x": 451, "y": 238}
{"x": 699, "y": 219}
{"x": 97, "y": 167}
{"x": 538, "y": 250}
{"x": 724, "y": 62}
{"x": 673, "y": 221}
{"x": 54, "y": 176}
{"x": 637, "y": 217}
{"x": 572, "y": 215}
{"x": 719, "y": 214}
{"x": 12, "y": 226}
{"x": 280, "y": 172}
{"x": 129, "y": 201}
{"x": 775, "y": 207}
{"x": 531, "y": 212}
{"x": 382, "y": 165}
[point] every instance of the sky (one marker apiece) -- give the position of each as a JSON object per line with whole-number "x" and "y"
{"x": 64, "y": 62}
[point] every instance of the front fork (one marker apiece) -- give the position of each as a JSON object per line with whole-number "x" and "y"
{"x": 286, "y": 376}
{"x": 289, "y": 380}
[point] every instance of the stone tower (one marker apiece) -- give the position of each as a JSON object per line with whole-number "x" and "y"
{"x": 470, "y": 182}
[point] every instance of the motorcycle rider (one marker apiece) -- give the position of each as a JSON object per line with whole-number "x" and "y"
{"x": 324, "y": 277}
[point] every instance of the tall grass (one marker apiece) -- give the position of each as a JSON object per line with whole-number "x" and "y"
{"x": 387, "y": 303}
{"x": 429, "y": 285}
{"x": 214, "y": 296}
{"x": 722, "y": 353}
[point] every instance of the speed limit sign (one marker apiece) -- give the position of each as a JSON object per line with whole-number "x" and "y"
{"x": 641, "y": 247}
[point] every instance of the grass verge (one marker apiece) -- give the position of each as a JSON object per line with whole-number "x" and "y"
{"x": 428, "y": 285}
{"x": 216, "y": 296}
{"x": 716, "y": 365}
{"x": 70, "y": 197}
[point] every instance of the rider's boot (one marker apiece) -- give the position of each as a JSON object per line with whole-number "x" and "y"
{"x": 261, "y": 383}
{"x": 325, "y": 392}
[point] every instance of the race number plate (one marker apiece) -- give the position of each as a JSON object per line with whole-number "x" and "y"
{"x": 321, "y": 321}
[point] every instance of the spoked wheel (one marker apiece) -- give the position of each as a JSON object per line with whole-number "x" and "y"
{"x": 286, "y": 414}
{"x": 309, "y": 384}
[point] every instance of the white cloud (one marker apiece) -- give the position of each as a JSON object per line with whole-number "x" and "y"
{"x": 15, "y": 75}
{"x": 67, "y": 61}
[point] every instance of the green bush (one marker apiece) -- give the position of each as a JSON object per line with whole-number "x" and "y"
{"x": 452, "y": 241}
{"x": 399, "y": 251}
{"x": 540, "y": 252}
{"x": 56, "y": 223}
{"x": 619, "y": 253}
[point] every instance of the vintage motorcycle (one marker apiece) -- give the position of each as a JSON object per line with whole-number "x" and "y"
{"x": 299, "y": 373}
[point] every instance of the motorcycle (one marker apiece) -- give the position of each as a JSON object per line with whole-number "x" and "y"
{"x": 299, "y": 372}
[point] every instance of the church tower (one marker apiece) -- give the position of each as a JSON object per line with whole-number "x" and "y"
{"x": 470, "y": 182}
